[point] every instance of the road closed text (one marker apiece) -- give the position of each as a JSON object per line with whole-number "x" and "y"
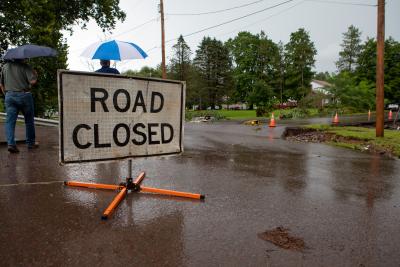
{"x": 122, "y": 134}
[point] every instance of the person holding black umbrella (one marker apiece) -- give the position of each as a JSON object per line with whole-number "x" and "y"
{"x": 16, "y": 81}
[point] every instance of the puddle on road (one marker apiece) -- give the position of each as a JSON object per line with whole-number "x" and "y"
{"x": 280, "y": 237}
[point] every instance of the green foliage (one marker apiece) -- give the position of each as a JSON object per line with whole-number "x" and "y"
{"x": 256, "y": 68}
{"x": 351, "y": 48}
{"x": 293, "y": 113}
{"x": 300, "y": 58}
{"x": 322, "y": 76}
{"x": 392, "y": 70}
{"x": 181, "y": 68}
{"x": 313, "y": 100}
{"x": 360, "y": 96}
{"x": 146, "y": 72}
{"x": 366, "y": 67}
{"x": 238, "y": 114}
{"x": 180, "y": 62}
{"x": 213, "y": 64}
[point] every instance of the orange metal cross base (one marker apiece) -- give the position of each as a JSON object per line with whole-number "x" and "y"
{"x": 133, "y": 186}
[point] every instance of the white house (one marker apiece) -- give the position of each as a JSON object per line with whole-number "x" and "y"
{"x": 318, "y": 86}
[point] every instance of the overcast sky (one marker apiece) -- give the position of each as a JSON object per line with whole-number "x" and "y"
{"x": 325, "y": 22}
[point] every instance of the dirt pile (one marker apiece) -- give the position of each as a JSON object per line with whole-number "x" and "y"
{"x": 280, "y": 237}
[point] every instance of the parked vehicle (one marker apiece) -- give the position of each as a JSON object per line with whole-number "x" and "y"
{"x": 393, "y": 106}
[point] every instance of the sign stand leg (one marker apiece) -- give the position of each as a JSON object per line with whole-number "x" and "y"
{"x": 130, "y": 168}
{"x": 130, "y": 186}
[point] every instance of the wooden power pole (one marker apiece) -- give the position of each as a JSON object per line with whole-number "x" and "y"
{"x": 164, "y": 73}
{"x": 380, "y": 47}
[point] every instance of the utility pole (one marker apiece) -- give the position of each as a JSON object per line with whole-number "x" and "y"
{"x": 380, "y": 47}
{"x": 164, "y": 74}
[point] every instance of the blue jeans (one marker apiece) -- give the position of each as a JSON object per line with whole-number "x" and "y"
{"x": 15, "y": 102}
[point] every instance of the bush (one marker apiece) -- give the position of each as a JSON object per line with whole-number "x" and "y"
{"x": 261, "y": 112}
{"x": 293, "y": 113}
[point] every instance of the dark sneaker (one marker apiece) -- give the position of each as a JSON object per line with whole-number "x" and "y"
{"x": 33, "y": 146}
{"x": 13, "y": 149}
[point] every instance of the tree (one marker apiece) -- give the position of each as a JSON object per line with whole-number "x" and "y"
{"x": 145, "y": 72}
{"x": 180, "y": 62}
{"x": 213, "y": 64}
{"x": 43, "y": 24}
{"x": 366, "y": 68}
{"x": 244, "y": 50}
{"x": 280, "y": 64}
{"x": 322, "y": 76}
{"x": 180, "y": 68}
{"x": 360, "y": 96}
{"x": 351, "y": 48}
{"x": 392, "y": 70}
{"x": 299, "y": 54}
{"x": 256, "y": 72}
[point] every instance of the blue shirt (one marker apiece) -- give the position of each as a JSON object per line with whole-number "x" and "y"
{"x": 108, "y": 70}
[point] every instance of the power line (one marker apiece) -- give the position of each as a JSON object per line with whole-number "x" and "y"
{"x": 267, "y": 18}
{"x": 341, "y": 3}
{"x": 224, "y": 23}
{"x": 137, "y": 27}
{"x": 214, "y": 12}
{"x": 232, "y": 20}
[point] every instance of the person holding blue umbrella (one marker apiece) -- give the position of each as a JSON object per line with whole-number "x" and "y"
{"x": 105, "y": 67}
{"x": 113, "y": 50}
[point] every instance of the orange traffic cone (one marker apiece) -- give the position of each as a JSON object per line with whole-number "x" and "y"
{"x": 390, "y": 115}
{"x": 335, "y": 119}
{"x": 272, "y": 121}
{"x": 369, "y": 115}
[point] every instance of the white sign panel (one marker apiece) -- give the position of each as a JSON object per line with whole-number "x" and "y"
{"x": 111, "y": 117}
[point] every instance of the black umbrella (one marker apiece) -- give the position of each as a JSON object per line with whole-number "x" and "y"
{"x": 29, "y": 51}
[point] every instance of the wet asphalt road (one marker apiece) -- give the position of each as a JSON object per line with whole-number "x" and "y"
{"x": 344, "y": 204}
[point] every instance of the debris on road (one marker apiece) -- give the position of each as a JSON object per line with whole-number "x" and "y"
{"x": 252, "y": 122}
{"x": 280, "y": 237}
{"x": 203, "y": 119}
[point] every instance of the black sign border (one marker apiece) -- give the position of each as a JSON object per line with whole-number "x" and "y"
{"x": 61, "y": 113}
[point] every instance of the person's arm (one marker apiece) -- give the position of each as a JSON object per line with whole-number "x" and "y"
{"x": 33, "y": 80}
{"x": 31, "y": 76}
{"x": 2, "y": 89}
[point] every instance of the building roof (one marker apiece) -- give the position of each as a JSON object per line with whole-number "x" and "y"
{"x": 322, "y": 83}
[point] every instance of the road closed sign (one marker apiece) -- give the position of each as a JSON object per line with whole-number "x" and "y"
{"x": 111, "y": 117}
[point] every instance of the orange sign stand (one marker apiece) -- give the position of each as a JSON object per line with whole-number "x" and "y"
{"x": 133, "y": 186}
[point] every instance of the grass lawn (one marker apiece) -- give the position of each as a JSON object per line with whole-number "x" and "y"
{"x": 390, "y": 141}
{"x": 238, "y": 114}
{"x": 251, "y": 114}
{"x": 222, "y": 114}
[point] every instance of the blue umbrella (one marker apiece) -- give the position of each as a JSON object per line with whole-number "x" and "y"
{"x": 29, "y": 51}
{"x": 114, "y": 50}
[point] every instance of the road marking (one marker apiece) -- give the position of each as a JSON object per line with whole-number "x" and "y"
{"x": 37, "y": 183}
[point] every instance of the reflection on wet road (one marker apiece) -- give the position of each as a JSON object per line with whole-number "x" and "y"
{"x": 344, "y": 204}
